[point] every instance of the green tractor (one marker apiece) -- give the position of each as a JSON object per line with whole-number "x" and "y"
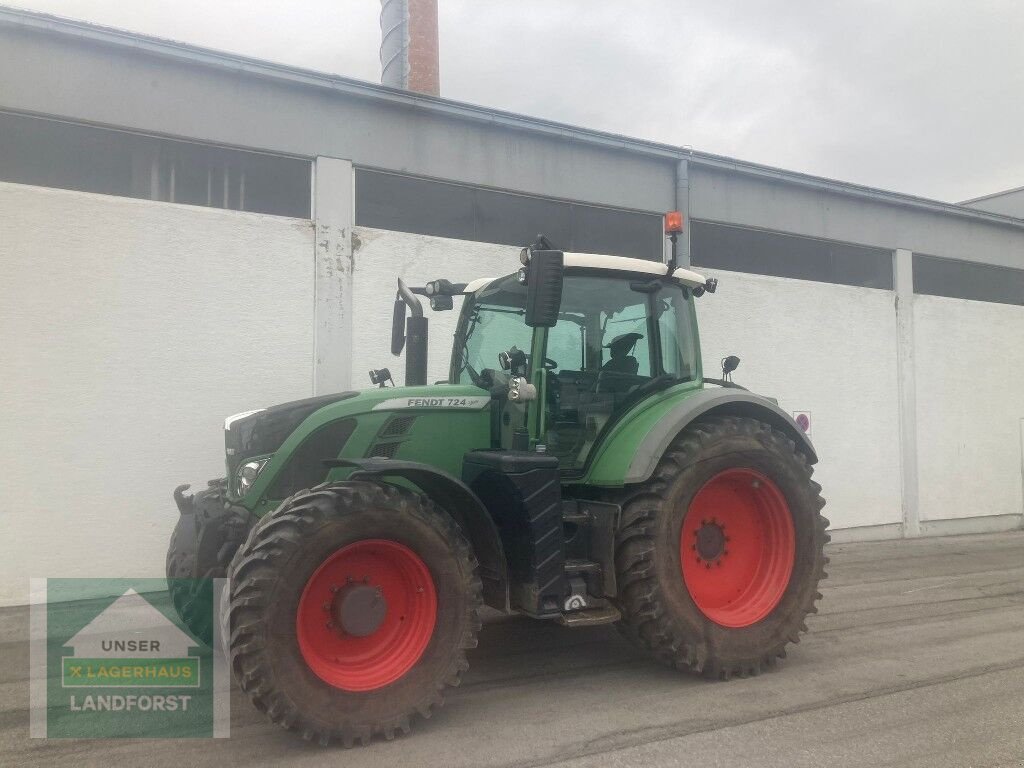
{"x": 575, "y": 467}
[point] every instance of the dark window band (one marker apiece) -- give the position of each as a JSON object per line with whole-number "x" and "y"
{"x": 428, "y": 207}
{"x": 780, "y": 255}
{"x": 957, "y": 279}
{"x": 51, "y": 153}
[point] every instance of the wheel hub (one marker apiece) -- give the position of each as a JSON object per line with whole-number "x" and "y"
{"x": 359, "y": 609}
{"x": 349, "y": 634}
{"x": 737, "y": 547}
{"x": 711, "y": 540}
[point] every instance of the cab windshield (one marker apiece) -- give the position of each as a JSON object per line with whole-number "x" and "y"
{"x": 492, "y": 322}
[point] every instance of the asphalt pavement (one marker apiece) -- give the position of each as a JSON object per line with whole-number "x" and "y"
{"x": 915, "y": 659}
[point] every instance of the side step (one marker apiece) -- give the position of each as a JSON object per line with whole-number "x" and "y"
{"x": 592, "y": 617}
{"x": 575, "y": 567}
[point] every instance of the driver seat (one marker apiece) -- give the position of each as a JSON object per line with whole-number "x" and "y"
{"x": 618, "y": 375}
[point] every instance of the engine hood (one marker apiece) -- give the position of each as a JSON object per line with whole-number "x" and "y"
{"x": 436, "y": 424}
{"x": 259, "y": 432}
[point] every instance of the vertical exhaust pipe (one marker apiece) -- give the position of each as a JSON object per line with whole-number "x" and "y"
{"x": 416, "y": 336}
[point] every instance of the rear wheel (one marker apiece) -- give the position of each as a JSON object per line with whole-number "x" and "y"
{"x": 351, "y": 608}
{"x": 720, "y": 553}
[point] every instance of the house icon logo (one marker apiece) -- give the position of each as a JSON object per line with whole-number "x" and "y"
{"x": 130, "y": 644}
{"x": 112, "y": 658}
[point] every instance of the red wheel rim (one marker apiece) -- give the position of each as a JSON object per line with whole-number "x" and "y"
{"x": 737, "y": 547}
{"x": 366, "y": 647}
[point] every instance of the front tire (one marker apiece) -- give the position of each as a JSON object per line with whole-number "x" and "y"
{"x": 720, "y": 553}
{"x": 203, "y": 541}
{"x": 351, "y": 608}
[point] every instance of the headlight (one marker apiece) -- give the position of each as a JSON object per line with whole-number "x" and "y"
{"x": 247, "y": 474}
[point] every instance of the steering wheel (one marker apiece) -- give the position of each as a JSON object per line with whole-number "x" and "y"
{"x": 515, "y": 357}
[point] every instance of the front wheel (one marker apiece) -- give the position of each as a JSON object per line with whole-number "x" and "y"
{"x": 351, "y": 608}
{"x": 720, "y": 553}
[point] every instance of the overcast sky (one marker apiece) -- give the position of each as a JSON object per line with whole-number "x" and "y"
{"x": 919, "y": 96}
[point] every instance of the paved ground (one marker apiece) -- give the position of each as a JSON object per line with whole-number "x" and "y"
{"x": 916, "y": 659}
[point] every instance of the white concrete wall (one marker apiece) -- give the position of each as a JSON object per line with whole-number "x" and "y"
{"x": 970, "y": 407}
{"x": 827, "y": 349}
{"x": 128, "y": 331}
{"x": 380, "y": 257}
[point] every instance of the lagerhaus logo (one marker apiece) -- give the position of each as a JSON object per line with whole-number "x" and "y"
{"x": 124, "y": 665}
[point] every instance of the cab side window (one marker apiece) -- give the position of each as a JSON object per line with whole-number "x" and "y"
{"x": 567, "y": 342}
{"x": 614, "y": 336}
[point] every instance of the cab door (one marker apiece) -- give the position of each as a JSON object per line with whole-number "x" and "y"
{"x": 617, "y": 339}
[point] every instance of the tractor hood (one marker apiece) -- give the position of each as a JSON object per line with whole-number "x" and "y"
{"x": 262, "y": 431}
{"x": 348, "y": 424}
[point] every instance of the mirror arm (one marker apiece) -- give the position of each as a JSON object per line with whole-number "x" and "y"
{"x": 410, "y": 299}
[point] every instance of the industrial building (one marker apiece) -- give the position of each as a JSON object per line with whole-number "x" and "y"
{"x": 186, "y": 234}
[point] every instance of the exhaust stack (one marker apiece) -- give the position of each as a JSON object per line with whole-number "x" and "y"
{"x": 409, "y": 46}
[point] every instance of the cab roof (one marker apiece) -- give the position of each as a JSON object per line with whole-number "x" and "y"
{"x": 612, "y": 263}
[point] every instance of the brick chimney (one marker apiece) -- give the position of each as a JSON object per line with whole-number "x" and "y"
{"x": 409, "y": 46}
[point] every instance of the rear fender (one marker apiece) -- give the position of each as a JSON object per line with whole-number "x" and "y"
{"x": 711, "y": 402}
{"x": 459, "y": 501}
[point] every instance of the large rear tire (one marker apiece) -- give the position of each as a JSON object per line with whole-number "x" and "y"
{"x": 351, "y": 609}
{"x": 720, "y": 553}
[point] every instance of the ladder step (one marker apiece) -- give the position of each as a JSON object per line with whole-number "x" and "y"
{"x": 575, "y": 567}
{"x": 591, "y": 617}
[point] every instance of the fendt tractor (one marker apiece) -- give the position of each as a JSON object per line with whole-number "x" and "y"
{"x": 576, "y": 466}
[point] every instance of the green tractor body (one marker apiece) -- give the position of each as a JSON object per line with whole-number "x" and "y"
{"x": 575, "y": 466}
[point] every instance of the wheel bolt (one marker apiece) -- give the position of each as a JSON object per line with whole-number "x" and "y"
{"x": 329, "y": 625}
{"x": 334, "y": 587}
{"x": 756, "y": 484}
{"x": 327, "y": 606}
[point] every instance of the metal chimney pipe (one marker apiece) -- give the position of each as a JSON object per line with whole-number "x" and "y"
{"x": 409, "y": 45}
{"x": 394, "y": 43}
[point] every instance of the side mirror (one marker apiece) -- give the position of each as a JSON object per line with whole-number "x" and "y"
{"x": 543, "y": 287}
{"x": 729, "y": 364}
{"x": 398, "y": 328}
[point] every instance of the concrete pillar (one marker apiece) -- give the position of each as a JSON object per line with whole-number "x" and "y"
{"x": 333, "y": 214}
{"x": 683, "y": 206}
{"x": 904, "y": 283}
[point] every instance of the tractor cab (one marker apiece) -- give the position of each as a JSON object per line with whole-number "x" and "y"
{"x": 618, "y": 331}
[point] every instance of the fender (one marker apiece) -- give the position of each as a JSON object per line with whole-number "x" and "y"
{"x": 734, "y": 402}
{"x": 459, "y": 501}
